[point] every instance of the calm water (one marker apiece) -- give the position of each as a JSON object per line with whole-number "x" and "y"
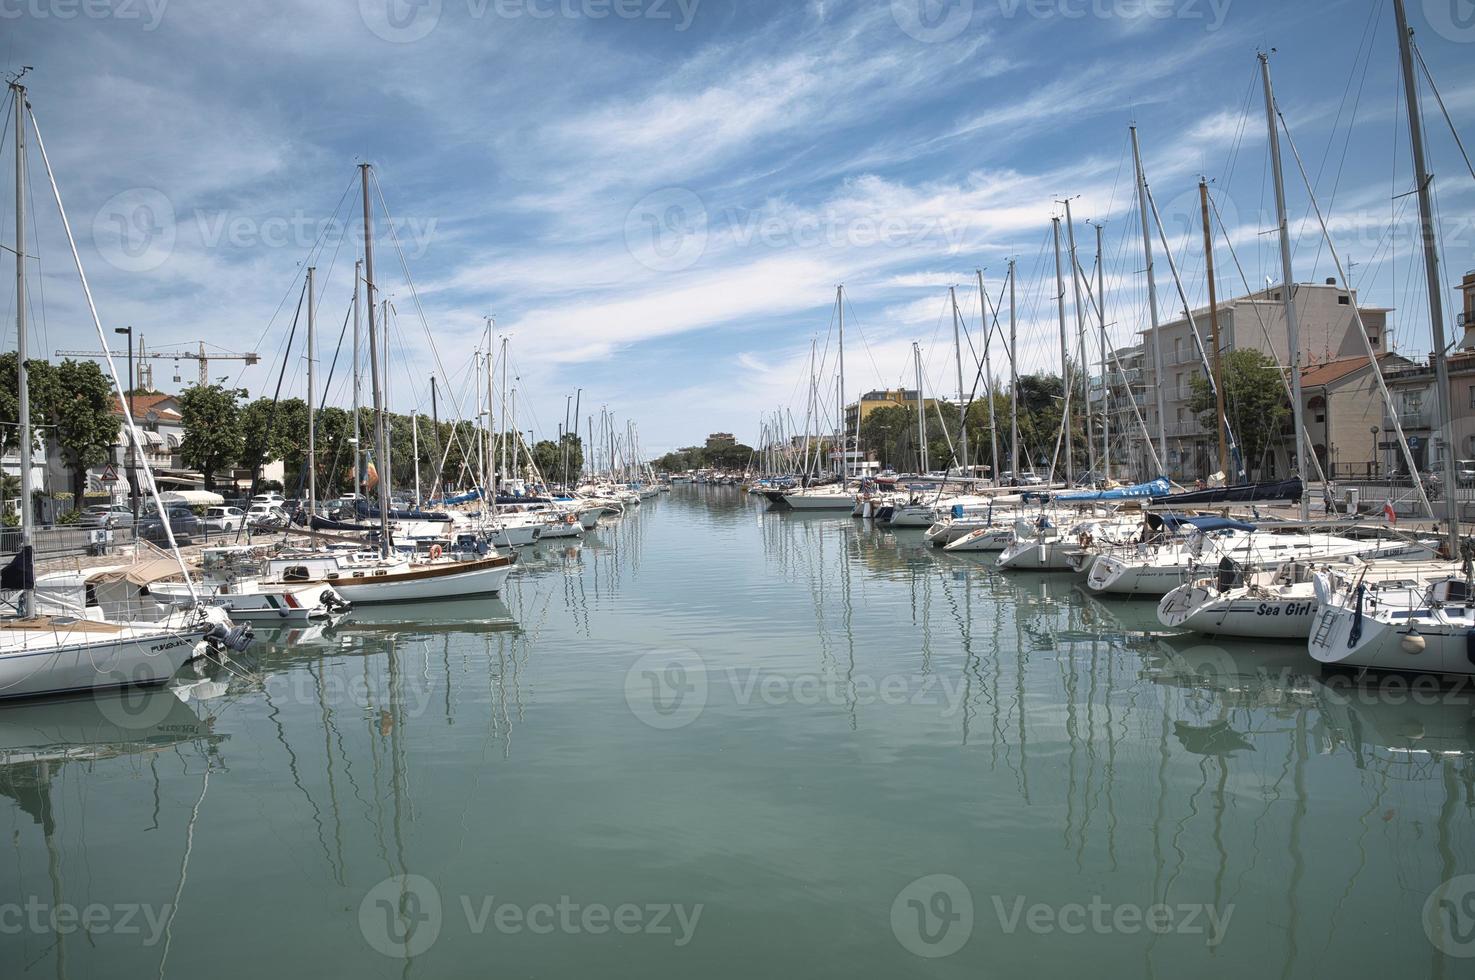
{"x": 716, "y": 741}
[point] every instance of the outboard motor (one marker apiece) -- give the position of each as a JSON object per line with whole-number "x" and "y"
{"x": 236, "y": 639}
{"x": 1229, "y": 574}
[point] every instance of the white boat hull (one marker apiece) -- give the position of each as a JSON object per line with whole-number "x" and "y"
{"x": 1286, "y": 615}
{"x": 54, "y": 661}
{"x": 448, "y": 580}
{"x": 821, "y": 501}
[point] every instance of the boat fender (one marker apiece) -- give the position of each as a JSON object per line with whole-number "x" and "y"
{"x": 1413, "y": 643}
{"x": 435, "y": 552}
{"x": 570, "y": 519}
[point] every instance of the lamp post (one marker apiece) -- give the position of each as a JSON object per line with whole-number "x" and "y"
{"x": 132, "y": 464}
{"x": 1376, "y": 449}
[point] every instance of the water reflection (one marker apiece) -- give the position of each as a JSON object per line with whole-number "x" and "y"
{"x": 1041, "y": 742}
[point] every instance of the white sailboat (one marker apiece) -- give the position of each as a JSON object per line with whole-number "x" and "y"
{"x": 43, "y": 653}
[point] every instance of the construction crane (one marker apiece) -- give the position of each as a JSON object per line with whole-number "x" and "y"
{"x": 144, "y": 356}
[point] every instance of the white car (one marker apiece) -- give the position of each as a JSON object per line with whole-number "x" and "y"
{"x": 224, "y": 519}
{"x": 264, "y": 513}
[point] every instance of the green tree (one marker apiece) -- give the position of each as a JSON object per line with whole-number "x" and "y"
{"x": 212, "y": 429}
{"x": 1255, "y": 401}
{"x": 77, "y": 400}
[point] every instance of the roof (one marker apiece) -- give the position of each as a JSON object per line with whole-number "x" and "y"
{"x": 1330, "y": 372}
{"x": 141, "y": 405}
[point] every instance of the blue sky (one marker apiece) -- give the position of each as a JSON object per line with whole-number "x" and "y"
{"x": 656, "y": 199}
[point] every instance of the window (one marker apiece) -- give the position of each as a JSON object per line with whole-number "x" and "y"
{"x": 1344, "y": 300}
{"x": 1318, "y": 408}
{"x": 1372, "y": 340}
{"x": 1472, "y": 396}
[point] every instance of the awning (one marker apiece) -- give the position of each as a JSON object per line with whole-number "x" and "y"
{"x": 142, "y": 574}
{"x": 195, "y": 498}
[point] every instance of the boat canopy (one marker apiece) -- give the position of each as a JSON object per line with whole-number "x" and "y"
{"x": 194, "y": 498}
{"x": 142, "y": 574}
{"x": 1153, "y": 488}
{"x": 1205, "y": 524}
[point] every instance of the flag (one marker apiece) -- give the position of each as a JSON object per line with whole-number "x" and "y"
{"x": 1389, "y": 512}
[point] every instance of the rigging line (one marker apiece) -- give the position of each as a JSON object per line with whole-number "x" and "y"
{"x": 1369, "y": 33}
{"x": 1361, "y": 330}
{"x": 870, "y": 355}
{"x": 414, "y": 293}
{"x": 1443, "y": 109}
{"x": 148, "y": 472}
{"x": 286, "y": 293}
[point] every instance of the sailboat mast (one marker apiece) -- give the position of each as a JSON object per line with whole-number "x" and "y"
{"x": 1288, "y": 289}
{"x": 358, "y": 445}
{"x": 374, "y": 363}
{"x": 1156, "y": 339}
{"x": 1218, "y": 357}
{"x": 1082, "y": 367}
{"x": 840, "y": 408}
{"x": 1424, "y": 182}
{"x": 1105, "y": 388}
{"x": 962, "y": 397}
{"x": 1013, "y": 380}
{"x": 921, "y": 411}
{"x": 1065, "y": 406}
{"x": 415, "y": 451}
{"x": 502, "y": 415}
{"x": 23, "y": 386}
{"x": 312, "y": 405}
{"x": 988, "y": 378}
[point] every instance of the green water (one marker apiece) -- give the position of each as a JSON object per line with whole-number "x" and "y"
{"x": 715, "y": 741}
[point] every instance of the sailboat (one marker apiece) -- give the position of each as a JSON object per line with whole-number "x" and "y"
{"x": 1427, "y": 626}
{"x": 84, "y": 650}
{"x": 464, "y": 568}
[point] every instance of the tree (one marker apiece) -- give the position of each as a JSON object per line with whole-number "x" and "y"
{"x": 549, "y": 456}
{"x": 889, "y": 432}
{"x": 261, "y": 439}
{"x": 77, "y": 399}
{"x": 212, "y": 429}
{"x": 1255, "y": 403}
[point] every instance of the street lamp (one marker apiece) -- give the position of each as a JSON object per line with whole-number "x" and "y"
{"x": 127, "y": 398}
{"x": 1376, "y": 449}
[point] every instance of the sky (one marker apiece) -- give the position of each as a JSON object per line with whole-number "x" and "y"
{"x": 655, "y": 200}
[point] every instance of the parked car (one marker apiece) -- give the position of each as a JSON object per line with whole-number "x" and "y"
{"x": 1465, "y": 471}
{"x": 181, "y": 519}
{"x": 107, "y": 515}
{"x": 264, "y": 514}
{"x": 224, "y": 519}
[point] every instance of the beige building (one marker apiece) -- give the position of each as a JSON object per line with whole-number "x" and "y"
{"x": 1328, "y": 326}
{"x": 856, "y": 411}
{"x": 1412, "y": 388}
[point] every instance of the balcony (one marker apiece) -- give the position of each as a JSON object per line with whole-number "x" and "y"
{"x": 1184, "y": 429}
{"x": 1417, "y": 419}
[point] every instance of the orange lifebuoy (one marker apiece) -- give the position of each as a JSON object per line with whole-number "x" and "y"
{"x": 435, "y": 552}
{"x": 570, "y": 519}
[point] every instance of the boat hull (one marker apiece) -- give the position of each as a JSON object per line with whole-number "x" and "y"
{"x": 93, "y": 661}
{"x": 450, "y": 580}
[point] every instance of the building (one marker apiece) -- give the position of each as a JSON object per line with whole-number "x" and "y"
{"x": 1430, "y": 432}
{"x": 1343, "y": 415}
{"x": 1328, "y": 333}
{"x": 721, "y": 440}
{"x": 856, "y": 412}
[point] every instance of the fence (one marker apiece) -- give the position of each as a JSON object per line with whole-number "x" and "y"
{"x": 67, "y": 542}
